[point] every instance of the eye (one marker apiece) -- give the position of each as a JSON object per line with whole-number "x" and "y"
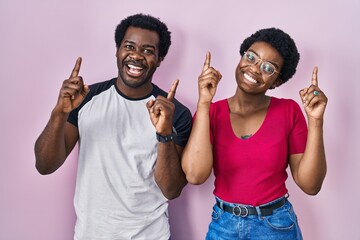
{"x": 268, "y": 68}
{"x": 148, "y": 51}
{"x": 128, "y": 46}
{"x": 250, "y": 57}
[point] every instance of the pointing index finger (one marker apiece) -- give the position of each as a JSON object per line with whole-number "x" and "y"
{"x": 76, "y": 69}
{"x": 314, "y": 80}
{"x": 171, "y": 94}
{"x": 207, "y": 61}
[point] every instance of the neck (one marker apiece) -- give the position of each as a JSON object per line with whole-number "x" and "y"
{"x": 134, "y": 91}
{"x": 243, "y": 103}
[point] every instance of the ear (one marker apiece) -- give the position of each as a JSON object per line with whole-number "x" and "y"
{"x": 276, "y": 83}
{"x": 159, "y": 62}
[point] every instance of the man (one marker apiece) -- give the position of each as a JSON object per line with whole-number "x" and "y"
{"x": 129, "y": 163}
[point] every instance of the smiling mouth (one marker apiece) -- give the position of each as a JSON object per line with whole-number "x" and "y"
{"x": 133, "y": 70}
{"x": 250, "y": 79}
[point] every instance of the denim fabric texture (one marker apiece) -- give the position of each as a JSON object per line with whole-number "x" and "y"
{"x": 281, "y": 225}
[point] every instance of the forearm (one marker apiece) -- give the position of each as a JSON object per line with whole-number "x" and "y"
{"x": 168, "y": 173}
{"x": 312, "y": 168}
{"x": 50, "y": 148}
{"x": 197, "y": 159}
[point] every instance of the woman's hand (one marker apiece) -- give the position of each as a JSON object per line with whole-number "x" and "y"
{"x": 314, "y": 99}
{"x": 208, "y": 81}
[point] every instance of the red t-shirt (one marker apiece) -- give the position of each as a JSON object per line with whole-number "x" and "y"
{"x": 253, "y": 171}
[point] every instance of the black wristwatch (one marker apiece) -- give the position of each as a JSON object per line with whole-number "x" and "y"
{"x": 165, "y": 139}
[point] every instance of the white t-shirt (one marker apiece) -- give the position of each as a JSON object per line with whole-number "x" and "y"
{"x": 116, "y": 194}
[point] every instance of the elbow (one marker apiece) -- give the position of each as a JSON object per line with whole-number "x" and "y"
{"x": 196, "y": 182}
{"x": 172, "y": 195}
{"x": 195, "y": 176}
{"x": 43, "y": 167}
{"x": 312, "y": 185}
{"x": 197, "y": 167}
{"x": 196, "y": 179}
{"x": 43, "y": 170}
{"x": 312, "y": 192}
{"x": 41, "y": 163}
{"x": 197, "y": 171}
{"x": 47, "y": 164}
{"x": 171, "y": 189}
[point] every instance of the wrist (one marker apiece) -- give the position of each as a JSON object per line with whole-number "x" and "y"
{"x": 203, "y": 105}
{"x": 59, "y": 114}
{"x": 315, "y": 120}
{"x": 165, "y": 138}
{"x": 317, "y": 123}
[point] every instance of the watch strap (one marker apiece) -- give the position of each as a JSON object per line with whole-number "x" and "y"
{"x": 166, "y": 138}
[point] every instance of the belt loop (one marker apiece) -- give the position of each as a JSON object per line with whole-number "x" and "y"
{"x": 287, "y": 195}
{"x": 259, "y": 212}
{"x": 221, "y": 205}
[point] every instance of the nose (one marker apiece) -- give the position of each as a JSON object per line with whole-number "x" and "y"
{"x": 257, "y": 66}
{"x": 136, "y": 55}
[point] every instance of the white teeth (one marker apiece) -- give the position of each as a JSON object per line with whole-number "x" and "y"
{"x": 135, "y": 70}
{"x": 134, "y": 67}
{"x": 249, "y": 78}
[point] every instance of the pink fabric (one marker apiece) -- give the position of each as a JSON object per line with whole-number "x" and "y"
{"x": 253, "y": 171}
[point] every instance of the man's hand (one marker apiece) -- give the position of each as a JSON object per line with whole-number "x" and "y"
{"x": 161, "y": 111}
{"x": 73, "y": 90}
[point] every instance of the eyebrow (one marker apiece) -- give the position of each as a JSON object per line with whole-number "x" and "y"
{"x": 263, "y": 60}
{"x": 143, "y": 46}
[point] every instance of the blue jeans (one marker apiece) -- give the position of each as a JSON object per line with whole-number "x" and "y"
{"x": 282, "y": 224}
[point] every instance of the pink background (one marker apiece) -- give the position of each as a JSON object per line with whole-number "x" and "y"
{"x": 40, "y": 41}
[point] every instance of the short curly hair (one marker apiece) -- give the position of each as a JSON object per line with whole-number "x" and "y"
{"x": 283, "y": 43}
{"x": 149, "y": 23}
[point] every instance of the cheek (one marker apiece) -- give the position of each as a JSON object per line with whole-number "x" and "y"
{"x": 238, "y": 70}
{"x": 120, "y": 54}
{"x": 153, "y": 62}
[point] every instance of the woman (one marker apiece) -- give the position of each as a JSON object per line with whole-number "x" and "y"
{"x": 249, "y": 139}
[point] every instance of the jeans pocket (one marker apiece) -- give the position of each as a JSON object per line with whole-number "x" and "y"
{"x": 216, "y": 213}
{"x": 282, "y": 219}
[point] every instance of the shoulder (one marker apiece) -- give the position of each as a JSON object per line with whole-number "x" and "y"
{"x": 158, "y": 91}
{"x": 219, "y": 105}
{"x": 221, "y": 102}
{"x": 284, "y": 102}
{"x": 95, "y": 90}
{"x": 286, "y": 108}
{"x": 99, "y": 87}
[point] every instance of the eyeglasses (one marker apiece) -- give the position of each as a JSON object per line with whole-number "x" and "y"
{"x": 266, "y": 68}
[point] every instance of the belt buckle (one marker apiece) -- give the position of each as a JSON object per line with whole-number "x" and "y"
{"x": 237, "y": 210}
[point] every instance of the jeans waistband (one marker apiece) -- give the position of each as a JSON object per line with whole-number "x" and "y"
{"x": 244, "y": 211}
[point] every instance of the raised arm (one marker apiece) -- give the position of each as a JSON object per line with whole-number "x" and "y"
{"x": 59, "y": 137}
{"x": 309, "y": 169}
{"x": 168, "y": 173}
{"x": 197, "y": 159}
